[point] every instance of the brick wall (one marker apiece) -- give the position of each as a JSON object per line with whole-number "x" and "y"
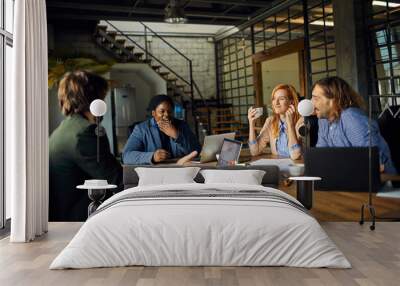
{"x": 200, "y": 50}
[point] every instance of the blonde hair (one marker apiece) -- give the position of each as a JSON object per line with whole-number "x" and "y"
{"x": 292, "y": 94}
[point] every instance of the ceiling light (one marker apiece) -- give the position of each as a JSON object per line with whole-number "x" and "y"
{"x": 384, "y": 4}
{"x": 323, "y": 23}
{"x": 174, "y": 13}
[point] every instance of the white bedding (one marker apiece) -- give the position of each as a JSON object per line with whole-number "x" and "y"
{"x": 200, "y": 231}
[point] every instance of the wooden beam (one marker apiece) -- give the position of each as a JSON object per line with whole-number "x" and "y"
{"x": 279, "y": 51}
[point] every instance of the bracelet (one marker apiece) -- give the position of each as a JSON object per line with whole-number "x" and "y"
{"x": 252, "y": 142}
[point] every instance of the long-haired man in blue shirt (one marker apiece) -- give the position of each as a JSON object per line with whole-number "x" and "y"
{"x": 342, "y": 121}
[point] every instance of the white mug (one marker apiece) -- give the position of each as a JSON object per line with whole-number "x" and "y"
{"x": 296, "y": 169}
{"x": 259, "y": 111}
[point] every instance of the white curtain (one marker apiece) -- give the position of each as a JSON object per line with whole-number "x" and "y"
{"x": 27, "y": 123}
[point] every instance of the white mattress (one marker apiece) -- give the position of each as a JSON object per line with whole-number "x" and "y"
{"x": 195, "y": 231}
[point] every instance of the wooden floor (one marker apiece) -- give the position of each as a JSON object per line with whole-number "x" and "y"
{"x": 333, "y": 205}
{"x": 374, "y": 255}
{"x": 345, "y": 206}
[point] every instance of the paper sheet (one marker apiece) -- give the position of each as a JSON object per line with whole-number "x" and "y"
{"x": 283, "y": 164}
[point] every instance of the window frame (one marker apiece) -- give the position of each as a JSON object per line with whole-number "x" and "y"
{"x": 6, "y": 39}
{"x": 267, "y": 33}
{"x": 381, "y": 40}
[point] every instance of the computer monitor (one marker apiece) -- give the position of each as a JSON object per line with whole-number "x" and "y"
{"x": 343, "y": 168}
{"x": 179, "y": 111}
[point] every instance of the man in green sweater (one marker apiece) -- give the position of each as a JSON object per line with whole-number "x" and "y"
{"x": 73, "y": 148}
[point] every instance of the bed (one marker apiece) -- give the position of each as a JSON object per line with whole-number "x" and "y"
{"x": 198, "y": 224}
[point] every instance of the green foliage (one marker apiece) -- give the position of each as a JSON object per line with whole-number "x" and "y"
{"x": 58, "y": 67}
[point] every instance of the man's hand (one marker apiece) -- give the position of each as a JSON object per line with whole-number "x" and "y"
{"x": 167, "y": 128}
{"x": 187, "y": 158}
{"x": 160, "y": 155}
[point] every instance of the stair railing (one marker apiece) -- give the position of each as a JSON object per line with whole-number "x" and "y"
{"x": 189, "y": 80}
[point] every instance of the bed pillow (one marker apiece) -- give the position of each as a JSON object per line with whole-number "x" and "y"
{"x": 247, "y": 177}
{"x": 166, "y": 176}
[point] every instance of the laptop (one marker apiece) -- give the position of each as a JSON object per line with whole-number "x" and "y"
{"x": 212, "y": 146}
{"x": 230, "y": 152}
{"x": 343, "y": 168}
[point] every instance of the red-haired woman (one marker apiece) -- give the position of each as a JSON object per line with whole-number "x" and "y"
{"x": 281, "y": 128}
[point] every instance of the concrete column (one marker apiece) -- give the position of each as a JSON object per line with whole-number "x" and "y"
{"x": 350, "y": 38}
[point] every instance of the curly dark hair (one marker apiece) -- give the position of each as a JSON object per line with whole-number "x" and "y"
{"x": 78, "y": 89}
{"x": 158, "y": 99}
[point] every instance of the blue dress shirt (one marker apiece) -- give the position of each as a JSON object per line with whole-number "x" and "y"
{"x": 146, "y": 139}
{"x": 351, "y": 130}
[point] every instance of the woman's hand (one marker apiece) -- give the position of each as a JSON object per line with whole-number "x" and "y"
{"x": 167, "y": 128}
{"x": 252, "y": 116}
{"x": 160, "y": 155}
{"x": 186, "y": 159}
{"x": 289, "y": 115}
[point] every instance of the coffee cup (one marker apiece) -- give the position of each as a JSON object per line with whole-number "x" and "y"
{"x": 296, "y": 170}
{"x": 259, "y": 111}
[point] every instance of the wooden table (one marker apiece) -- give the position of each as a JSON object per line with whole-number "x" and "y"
{"x": 245, "y": 157}
{"x": 332, "y": 205}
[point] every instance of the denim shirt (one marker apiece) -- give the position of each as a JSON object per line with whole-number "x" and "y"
{"x": 352, "y": 130}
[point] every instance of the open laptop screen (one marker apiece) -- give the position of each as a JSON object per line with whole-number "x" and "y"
{"x": 212, "y": 146}
{"x": 230, "y": 152}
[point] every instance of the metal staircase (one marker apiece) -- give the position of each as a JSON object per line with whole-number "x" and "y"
{"x": 125, "y": 48}
{"x": 227, "y": 121}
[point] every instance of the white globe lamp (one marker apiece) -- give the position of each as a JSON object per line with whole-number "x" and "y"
{"x": 305, "y": 107}
{"x": 98, "y": 108}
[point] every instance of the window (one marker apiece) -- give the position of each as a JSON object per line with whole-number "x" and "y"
{"x": 384, "y": 41}
{"x": 9, "y": 13}
{"x": 6, "y": 63}
{"x": 321, "y": 39}
{"x": 9, "y": 63}
{"x": 234, "y": 53}
{"x": 235, "y": 73}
